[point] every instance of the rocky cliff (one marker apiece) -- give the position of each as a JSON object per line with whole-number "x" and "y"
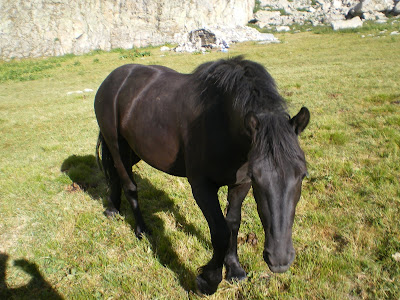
{"x": 55, "y": 27}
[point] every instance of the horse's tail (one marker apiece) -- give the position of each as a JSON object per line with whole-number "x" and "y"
{"x": 104, "y": 158}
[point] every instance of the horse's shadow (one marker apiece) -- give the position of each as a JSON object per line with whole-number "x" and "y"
{"x": 86, "y": 175}
{"x": 37, "y": 288}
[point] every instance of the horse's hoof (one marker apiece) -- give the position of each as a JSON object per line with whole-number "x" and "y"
{"x": 140, "y": 231}
{"x": 203, "y": 287}
{"x": 235, "y": 274}
{"x": 111, "y": 212}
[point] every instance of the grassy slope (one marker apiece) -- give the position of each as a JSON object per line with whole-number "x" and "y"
{"x": 346, "y": 227}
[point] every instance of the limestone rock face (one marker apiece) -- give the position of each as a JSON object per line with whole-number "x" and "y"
{"x": 55, "y": 27}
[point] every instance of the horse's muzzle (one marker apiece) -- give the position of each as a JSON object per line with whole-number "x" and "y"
{"x": 279, "y": 263}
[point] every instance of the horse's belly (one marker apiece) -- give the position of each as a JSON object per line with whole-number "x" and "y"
{"x": 176, "y": 167}
{"x": 158, "y": 147}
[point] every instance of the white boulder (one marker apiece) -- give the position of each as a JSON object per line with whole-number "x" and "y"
{"x": 396, "y": 8}
{"x": 371, "y": 7}
{"x": 347, "y": 24}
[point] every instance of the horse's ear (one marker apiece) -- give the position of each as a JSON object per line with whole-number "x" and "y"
{"x": 251, "y": 124}
{"x": 300, "y": 121}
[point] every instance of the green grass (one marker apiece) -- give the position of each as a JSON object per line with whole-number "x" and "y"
{"x": 346, "y": 227}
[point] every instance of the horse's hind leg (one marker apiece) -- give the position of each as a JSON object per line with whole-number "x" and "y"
{"x": 112, "y": 177}
{"x": 119, "y": 168}
{"x": 114, "y": 199}
{"x": 129, "y": 158}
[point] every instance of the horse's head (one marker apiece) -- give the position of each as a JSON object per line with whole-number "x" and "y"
{"x": 277, "y": 167}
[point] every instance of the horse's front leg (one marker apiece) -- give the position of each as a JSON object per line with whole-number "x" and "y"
{"x": 206, "y": 197}
{"x": 236, "y": 195}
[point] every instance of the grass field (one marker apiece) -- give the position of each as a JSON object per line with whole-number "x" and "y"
{"x": 56, "y": 243}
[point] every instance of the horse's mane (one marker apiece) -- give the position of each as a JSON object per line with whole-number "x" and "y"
{"x": 253, "y": 90}
{"x": 248, "y": 82}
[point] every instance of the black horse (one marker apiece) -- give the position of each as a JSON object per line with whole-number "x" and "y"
{"x": 224, "y": 124}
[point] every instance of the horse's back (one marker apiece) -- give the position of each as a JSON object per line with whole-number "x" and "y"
{"x": 131, "y": 74}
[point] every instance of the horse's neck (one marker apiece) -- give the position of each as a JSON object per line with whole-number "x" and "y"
{"x": 236, "y": 125}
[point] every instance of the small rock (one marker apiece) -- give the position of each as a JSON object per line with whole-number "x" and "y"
{"x": 165, "y": 48}
{"x": 396, "y": 256}
{"x": 88, "y": 90}
{"x": 337, "y": 4}
{"x": 282, "y": 28}
{"x": 394, "y": 33}
{"x": 75, "y": 92}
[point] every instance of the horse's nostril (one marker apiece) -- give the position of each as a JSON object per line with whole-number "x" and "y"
{"x": 270, "y": 259}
